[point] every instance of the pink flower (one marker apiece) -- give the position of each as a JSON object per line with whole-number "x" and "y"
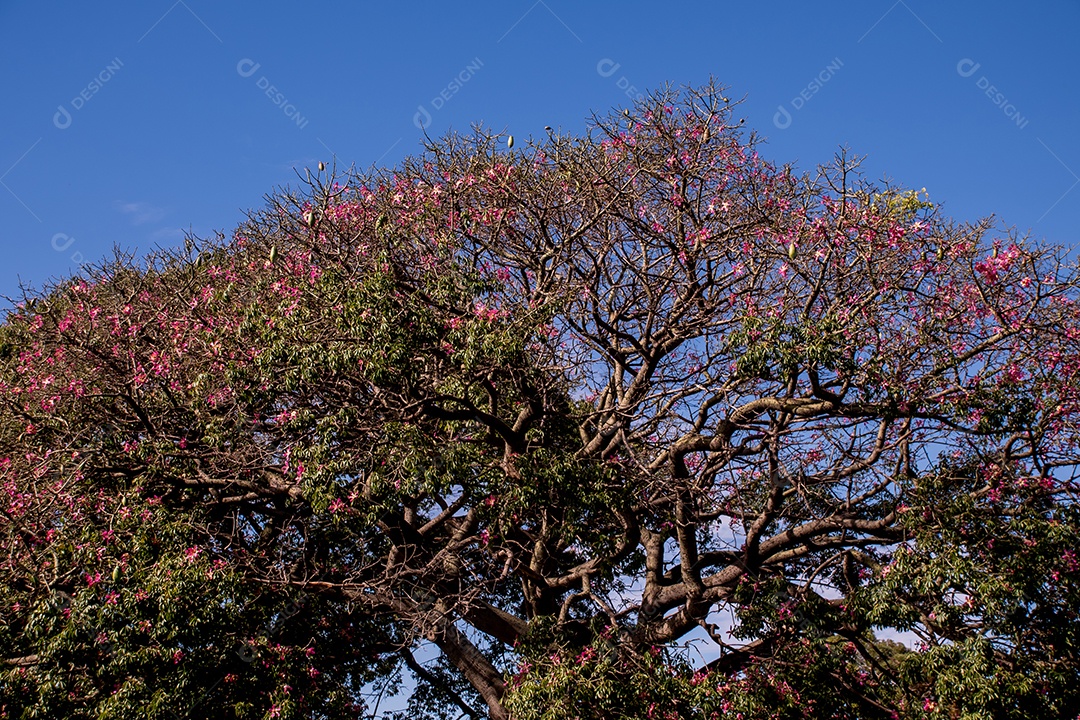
{"x": 192, "y": 553}
{"x": 1014, "y": 374}
{"x": 485, "y": 313}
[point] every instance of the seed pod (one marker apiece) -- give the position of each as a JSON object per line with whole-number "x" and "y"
{"x": 309, "y": 218}
{"x": 705, "y": 135}
{"x": 116, "y": 574}
{"x": 322, "y": 166}
{"x": 626, "y": 112}
{"x": 273, "y": 253}
{"x": 509, "y": 142}
{"x": 940, "y": 253}
{"x": 994, "y": 253}
{"x": 791, "y": 250}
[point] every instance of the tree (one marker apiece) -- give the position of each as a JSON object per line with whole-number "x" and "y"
{"x": 548, "y": 414}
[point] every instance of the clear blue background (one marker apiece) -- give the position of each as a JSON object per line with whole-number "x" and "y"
{"x": 175, "y": 138}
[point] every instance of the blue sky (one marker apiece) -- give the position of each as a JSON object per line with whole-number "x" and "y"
{"x": 128, "y": 123}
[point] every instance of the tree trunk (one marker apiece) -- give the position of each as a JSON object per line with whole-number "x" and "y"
{"x": 465, "y": 656}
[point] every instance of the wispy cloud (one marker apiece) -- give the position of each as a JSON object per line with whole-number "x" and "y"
{"x": 141, "y": 213}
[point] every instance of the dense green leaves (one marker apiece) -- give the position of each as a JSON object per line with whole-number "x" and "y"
{"x": 630, "y": 425}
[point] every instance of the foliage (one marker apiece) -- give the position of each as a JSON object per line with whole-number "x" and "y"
{"x": 509, "y": 429}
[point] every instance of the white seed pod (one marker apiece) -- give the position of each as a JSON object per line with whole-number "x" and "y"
{"x": 322, "y": 166}
{"x": 791, "y": 251}
{"x": 273, "y": 253}
{"x": 309, "y": 218}
{"x": 509, "y": 142}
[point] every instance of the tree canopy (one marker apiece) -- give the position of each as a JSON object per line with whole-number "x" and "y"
{"x": 628, "y": 424}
